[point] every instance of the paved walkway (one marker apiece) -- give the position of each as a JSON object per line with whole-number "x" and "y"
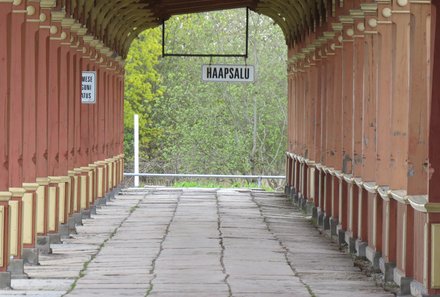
{"x": 178, "y": 243}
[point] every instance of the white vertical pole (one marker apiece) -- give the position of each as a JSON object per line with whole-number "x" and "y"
{"x": 136, "y": 149}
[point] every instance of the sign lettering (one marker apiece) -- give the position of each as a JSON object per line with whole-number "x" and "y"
{"x": 228, "y": 73}
{"x": 88, "y": 87}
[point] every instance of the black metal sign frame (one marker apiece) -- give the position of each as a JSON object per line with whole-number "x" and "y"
{"x": 245, "y": 55}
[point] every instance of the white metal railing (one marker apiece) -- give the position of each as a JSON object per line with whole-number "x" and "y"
{"x": 259, "y": 178}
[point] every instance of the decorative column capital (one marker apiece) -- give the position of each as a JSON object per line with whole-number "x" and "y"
{"x": 48, "y": 3}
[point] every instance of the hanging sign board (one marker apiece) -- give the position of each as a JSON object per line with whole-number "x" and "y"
{"x": 88, "y": 87}
{"x": 228, "y": 73}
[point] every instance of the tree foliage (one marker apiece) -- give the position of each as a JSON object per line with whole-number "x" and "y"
{"x": 190, "y": 126}
{"x": 143, "y": 90}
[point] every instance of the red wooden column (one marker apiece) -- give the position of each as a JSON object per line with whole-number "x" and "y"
{"x": 107, "y": 121}
{"x": 300, "y": 122}
{"x": 338, "y": 127}
{"x": 72, "y": 76}
{"x": 42, "y": 121}
{"x": 306, "y": 128}
{"x": 369, "y": 97}
{"x": 433, "y": 206}
{"x": 295, "y": 103}
{"x": 289, "y": 116}
{"x": 99, "y": 123}
{"x": 5, "y": 11}
{"x": 323, "y": 95}
{"x": 317, "y": 129}
{"x": 116, "y": 154}
{"x": 101, "y": 126}
{"x": 88, "y": 168}
{"x": 299, "y": 94}
{"x": 329, "y": 107}
{"x": 349, "y": 31}
{"x": 94, "y": 117}
{"x": 116, "y": 125}
{"x": 418, "y": 129}
{"x": 314, "y": 94}
{"x": 364, "y": 142}
{"x": 76, "y": 47}
{"x": 288, "y": 174}
{"x": 330, "y": 125}
{"x": 305, "y": 117}
{"x": 111, "y": 124}
{"x": 121, "y": 119}
{"x": 110, "y": 160}
{"x": 113, "y": 113}
{"x": 372, "y": 222}
{"x": 289, "y": 109}
{"x": 385, "y": 34}
{"x": 54, "y": 119}
{"x": 113, "y": 107}
{"x": 321, "y": 135}
{"x": 322, "y": 151}
{"x": 30, "y": 134}
{"x": 94, "y": 165}
{"x": 399, "y": 137}
{"x": 291, "y": 123}
{"x": 85, "y": 125}
{"x": 16, "y": 123}
{"x": 5, "y": 195}
{"x": 120, "y": 115}
{"x": 298, "y": 117}
{"x": 64, "y": 185}
{"x": 358, "y": 79}
{"x": 110, "y": 119}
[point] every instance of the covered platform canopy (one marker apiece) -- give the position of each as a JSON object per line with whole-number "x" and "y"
{"x": 363, "y": 119}
{"x": 117, "y": 23}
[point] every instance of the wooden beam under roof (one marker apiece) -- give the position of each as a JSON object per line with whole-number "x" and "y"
{"x": 109, "y": 19}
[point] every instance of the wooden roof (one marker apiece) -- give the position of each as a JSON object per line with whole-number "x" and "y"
{"x": 118, "y": 22}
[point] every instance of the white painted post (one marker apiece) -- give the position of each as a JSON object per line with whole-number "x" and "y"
{"x": 136, "y": 149}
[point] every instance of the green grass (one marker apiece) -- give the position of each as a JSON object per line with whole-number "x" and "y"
{"x": 208, "y": 184}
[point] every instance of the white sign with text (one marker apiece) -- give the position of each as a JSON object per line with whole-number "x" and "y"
{"x": 228, "y": 73}
{"x": 88, "y": 87}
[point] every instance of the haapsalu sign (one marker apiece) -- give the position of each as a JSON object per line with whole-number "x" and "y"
{"x": 228, "y": 73}
{"x": 88, "y": 87}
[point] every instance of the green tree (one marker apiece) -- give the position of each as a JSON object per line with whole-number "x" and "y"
{"x": 143, "y": 90}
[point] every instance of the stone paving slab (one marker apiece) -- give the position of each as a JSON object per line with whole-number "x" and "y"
{"x": 162, "y": 242}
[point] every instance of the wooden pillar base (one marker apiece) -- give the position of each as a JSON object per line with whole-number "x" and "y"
{"x": 81, "y": 183}
{"x": 42, "y": 205}
{"x": 30, "y": 216}
{"x": 93, "y": 183}
{"x": 403, "y": 220}
{"x": 71, "y": 192}
{"x": 53, "y": 205}
{"x": 16, "y": 222}
{"x": 387, "y": 260}
{"x": 100, "y": 179}
{"x": 88, "y": 176}
{"x": 434, "y": 250}
{"x": 5, "y": 197}
{"x": 63, "y": 199}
